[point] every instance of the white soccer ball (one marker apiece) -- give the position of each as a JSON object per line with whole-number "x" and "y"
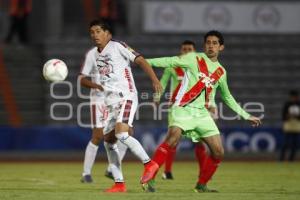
{"x": 55, "y": 70}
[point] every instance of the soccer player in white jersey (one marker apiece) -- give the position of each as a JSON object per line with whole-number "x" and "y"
{"x": 112, "y": 82}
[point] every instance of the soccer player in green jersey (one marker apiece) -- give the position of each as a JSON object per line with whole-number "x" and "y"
{"x": 190, "y": 117}
{"x": 175, "y": 75}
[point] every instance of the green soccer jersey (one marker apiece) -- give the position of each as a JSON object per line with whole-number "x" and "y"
{"x": 170, "y": 74}
{"x": 189, "y": 63}
{"x": 176, "y": 75}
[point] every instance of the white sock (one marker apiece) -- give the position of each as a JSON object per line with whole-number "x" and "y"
{"x": 134, "y": 146}
{"x": 114, "y": 161}
{"x": 89, "y": 158}
{"x": 122, "y": 151}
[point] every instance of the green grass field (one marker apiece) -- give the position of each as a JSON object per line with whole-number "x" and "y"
{"x": 234, "y": 180}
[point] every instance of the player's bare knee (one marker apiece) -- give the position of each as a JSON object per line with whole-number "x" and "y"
{"x": 130, "y": 131}
{"x": 218, "y": 153}
{"x": 121, "y": 127}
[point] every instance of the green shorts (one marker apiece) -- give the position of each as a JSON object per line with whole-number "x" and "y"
{"x": 196, "y": 123}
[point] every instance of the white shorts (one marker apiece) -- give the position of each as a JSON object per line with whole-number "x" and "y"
{"x": 99, "y": 113}
{"x": 121, "y": 112}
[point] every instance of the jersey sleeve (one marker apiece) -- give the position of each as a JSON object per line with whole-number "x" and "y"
{"x": 228, "y": 98}
{"x": 165, "y": 78}
{"x": 87, "y": 65}
{"x": 174, "y": 61}
{"x": 128, "y": 52}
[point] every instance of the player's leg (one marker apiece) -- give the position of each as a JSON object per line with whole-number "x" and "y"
{"x": 97, "y": 112}
{"x": 284, "y": 147}
{"x": 200, "y": 149}
{"x": 294, "y": 146}
{"x": 90, "y": 154}
{"x": 207, "y": 131}
{"x": 201, "y": 155}
{"x": 110, "y": 144}
{"x": 124, "y": 122}
{"x": 167, "y": 174}
{"x": 161, "y": 153}
{"x": 214, "y": 143}
{"x": 179, "y": 122}
{"x": 169, "y": 144}
{"x": 122, "y": 151}
{"x": 150, "y": 167}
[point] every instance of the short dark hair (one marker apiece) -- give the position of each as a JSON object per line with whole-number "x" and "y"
{"x": 188, "y": 42}
{"x": 215, "y": 33}
{"x": 102, "y": 23}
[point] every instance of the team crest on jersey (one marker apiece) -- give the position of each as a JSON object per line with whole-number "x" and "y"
{"x": 104, "y": 64}
{"x": 209, "y": 82}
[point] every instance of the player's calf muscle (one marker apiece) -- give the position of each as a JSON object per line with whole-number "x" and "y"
{"x": 215, "y": 145}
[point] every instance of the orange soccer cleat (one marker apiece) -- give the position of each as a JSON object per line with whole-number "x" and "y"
{"x": 150, "y": 171}
{"x": 116, "y": 188}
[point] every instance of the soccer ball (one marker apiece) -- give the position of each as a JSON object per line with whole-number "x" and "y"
{"x": 55, "y": 70}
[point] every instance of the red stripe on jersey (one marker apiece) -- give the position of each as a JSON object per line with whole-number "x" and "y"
{"x": 94, "y": 115}
{"x": 215, "y": 76}
{"x": 179, "y": 72}
{"x": 126, "y": 112}
{"x": 128, "y": 77}
{"x": 196, "y": 90}
{"x": 175, "y": 92}
{"x": 202, "y": 67}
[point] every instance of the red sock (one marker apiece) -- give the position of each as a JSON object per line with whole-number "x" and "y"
{"x": 210, "y": 166}
{"x": 200, "y": 153}
{"x": 170, "y": 159}
{"x": 161, "y": 153}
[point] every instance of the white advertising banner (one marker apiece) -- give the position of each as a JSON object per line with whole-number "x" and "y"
{"x": 236, "y": 17}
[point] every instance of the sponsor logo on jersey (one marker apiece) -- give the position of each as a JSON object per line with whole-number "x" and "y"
{"x": 104, "y": 64}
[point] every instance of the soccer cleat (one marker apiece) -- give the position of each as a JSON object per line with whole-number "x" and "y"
{"x": 149, "y": 172}
{"x": 109, "y": 175}
{"x": 167, "y": 176}
{"x": 200, "y": 188}
{"x": 116, "y": 188}
{"x": 150, "y": 186}
{"x": 86, "y": 179}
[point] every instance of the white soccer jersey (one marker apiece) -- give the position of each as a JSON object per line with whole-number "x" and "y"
{"x": 111, "y": 69}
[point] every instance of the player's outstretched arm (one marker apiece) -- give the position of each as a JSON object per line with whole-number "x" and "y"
{"x": 84, "y": 81}
{"x": 231, "y": 102}
{"x": 149, "y": 71}
{"x": 174, "y": 61}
